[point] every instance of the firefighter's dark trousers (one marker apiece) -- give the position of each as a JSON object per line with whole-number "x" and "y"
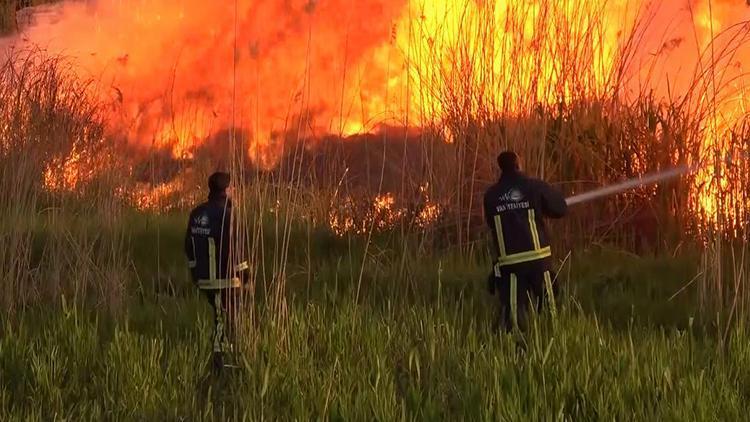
{"x": 225, "y": 304}
{"x": 519, "y": 290}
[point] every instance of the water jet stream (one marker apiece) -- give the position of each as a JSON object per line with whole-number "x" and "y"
{"x": 623, "y": 186}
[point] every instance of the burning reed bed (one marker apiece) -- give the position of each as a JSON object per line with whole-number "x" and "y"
{"x": 356, "y": 311}
{"x": 382, "y": 326}
{"x": 46, "y": 117}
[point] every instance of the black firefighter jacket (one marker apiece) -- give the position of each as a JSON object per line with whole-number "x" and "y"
{"x": 207, "y": 240}
{"x": 514, "y": 208}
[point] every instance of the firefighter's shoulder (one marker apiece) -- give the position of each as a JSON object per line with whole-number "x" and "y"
{"x": 491, "y": 195}
{"x": 535, "y": 184}
{"x": 198, "y": 209}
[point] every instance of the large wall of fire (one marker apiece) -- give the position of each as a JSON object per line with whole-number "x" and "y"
{"x": 181, "y": 71}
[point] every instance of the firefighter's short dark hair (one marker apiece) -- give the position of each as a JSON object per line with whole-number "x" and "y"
{"x": 508, "y": 161}
{"x": 218, "y": 182}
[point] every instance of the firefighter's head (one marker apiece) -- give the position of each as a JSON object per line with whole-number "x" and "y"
{"x": 508, "y": 162}
{"x": 218, "y": 184}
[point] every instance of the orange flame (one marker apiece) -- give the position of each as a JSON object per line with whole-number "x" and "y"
{"x": 349, "y": 217}
{"x": 180, "y": 71}
{"x": 325, "y": 67}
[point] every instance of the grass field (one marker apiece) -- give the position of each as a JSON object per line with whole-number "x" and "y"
{"x": 414, "y": 343}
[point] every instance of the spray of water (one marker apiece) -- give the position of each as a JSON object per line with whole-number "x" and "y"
{"x": 644, "y": 180}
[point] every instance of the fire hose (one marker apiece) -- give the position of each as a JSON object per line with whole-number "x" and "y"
{"x": 635, "y": 182}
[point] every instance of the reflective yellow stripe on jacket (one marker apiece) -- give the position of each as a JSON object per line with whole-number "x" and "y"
{"x": 520, "y": 257}
{"x": 211, "y": 259}
{"x": 499, "y": 234}
{"x": 534, "y": 231}
{"x": 517, "y": 258}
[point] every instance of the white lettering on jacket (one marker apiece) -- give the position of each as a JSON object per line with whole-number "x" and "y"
{"x": 200, "y": 230}
{"x": 513, "y": 206}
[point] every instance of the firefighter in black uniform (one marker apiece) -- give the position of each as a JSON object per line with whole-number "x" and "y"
{"x": 207, "y": 246}
{"x": 514, "y": 208}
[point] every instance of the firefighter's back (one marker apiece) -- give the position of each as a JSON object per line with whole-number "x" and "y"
{"x": 515, "y": 209}
{"x": 208, "y": 237}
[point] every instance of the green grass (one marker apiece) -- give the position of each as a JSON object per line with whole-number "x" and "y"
{"x": 416, "y": 344}
{"x": 362, "y": 362}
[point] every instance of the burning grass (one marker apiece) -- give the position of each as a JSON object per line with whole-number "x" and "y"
{"x": 590, "y": 134}
{"x": 578, "y": 105}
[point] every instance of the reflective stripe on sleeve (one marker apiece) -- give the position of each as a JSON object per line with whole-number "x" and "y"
{"x": 219, "y": 284}
{"x": 499, "y": 234}
{"x": 533, "y": 229}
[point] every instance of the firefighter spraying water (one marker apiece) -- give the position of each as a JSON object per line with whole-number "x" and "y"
{"x": 515, "y": 208}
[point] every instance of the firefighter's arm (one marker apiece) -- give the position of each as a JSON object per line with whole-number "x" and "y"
{"x": 488, "y": 212}
{"x": 489, "y": 218}
{"x": 553, "y": 201}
